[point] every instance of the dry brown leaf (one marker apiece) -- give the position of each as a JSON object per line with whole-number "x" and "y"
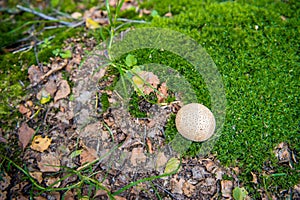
{"x": 69, "y": 195}
{"x": 137, "y": 156}
{"x": 149, "y": 144}
{"x": 88, "y": 155}
{"x": 226, "y": 188}
{"x": 25, "y": 134}
{"x": 34, "y": 74}
{"x": 188, "y": 189}
{"x": 254, "y": 178}
{"x": 4, "y": 183}
{"x": 161, "y": 160}
{"x": 63, "y": 90}
{"x": 163, "y": 93}
{"x": 37, "y": 176}
{"x": 176, "y": 186}
{"x": 23, "y": 110}
{"x": 51, "y": 180}
{"x": 119, "y": 198}
{"x": 40, "y": 144}
{"x": 49, "y": 163}
{"x": 51, "y": 87}
{"x": 143, "y": 80}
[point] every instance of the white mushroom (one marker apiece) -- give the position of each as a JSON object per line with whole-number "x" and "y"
{"x": 195, "y": 122}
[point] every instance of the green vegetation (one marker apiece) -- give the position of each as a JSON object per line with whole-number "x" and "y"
{"x": 255, "y": 45}
{"x": 256, "y": 48}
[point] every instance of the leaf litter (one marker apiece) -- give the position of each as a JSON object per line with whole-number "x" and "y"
{"x": 51, "y": 149}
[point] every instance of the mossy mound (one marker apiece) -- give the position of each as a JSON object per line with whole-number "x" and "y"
{"x": 256, "y": 49}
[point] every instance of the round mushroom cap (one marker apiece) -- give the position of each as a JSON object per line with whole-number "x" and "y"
{"x": 195, "y": 122}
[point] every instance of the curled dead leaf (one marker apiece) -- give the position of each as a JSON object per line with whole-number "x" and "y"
{"x": 226, "y": 188}
{"x": 37, "y": 176}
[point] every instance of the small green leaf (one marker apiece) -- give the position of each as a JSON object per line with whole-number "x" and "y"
{"x": 76, "y": 153}
{"x": 239, "y": 193}
{"x": 172, "y": 165}
{"x": 54, "y": 3}
{"x": 45, "y": 97}
{"x": 154, "y": 13}
{"x": 66, "y": 54}
{"x": 130, "y": 60}
{"x": 56, "y": 52}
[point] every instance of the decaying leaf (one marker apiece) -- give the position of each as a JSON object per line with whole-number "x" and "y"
{"x": 37, "y": 175}
{"x": 176, "y": 186}
{"x": 91, "y": 24}
{"x": 23, "y": 110}
{"x": 52, "y": 180}
{"x": 163, "y": 93}
{"x": 188, "y": 189}
{"x": 40, "y": 144}
{"x": 34, "y": 74}
{"x": 49, "y": 163}
{"x": 137, "y": 156}
{"x": 145, "y": 81}
{"x": 149, "y": 145}
{"x": 88, "y": 155}
{"x": 63, "y": 90}
{"x": 51, "y": 87}
{"x": 172, "y": 165}
{"x": 226, "y": 188}
{"x": 25, "y": 134}
{"x": 254, "y": 178}
{"x": 161, "y": 160}
{"x": 5, "y": 181}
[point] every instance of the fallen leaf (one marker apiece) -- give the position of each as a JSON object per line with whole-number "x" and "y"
{"x": 239, "y": 193}
{"x": 137, "y": 156}
{"x": 172, "y": 165}
{"x": 119, "y": 198}
{"x": 145, "y": 82}
{"x": 76, "y": 15}
{"x": 149, "y": 144}
{"x": 52, "y": 180}
{"x": 51, "y": 87}
{"x": 25, "y": 134}
{"x": 37, "y": 176}
{"x": 34, "y": 74}
{"x": 254, "y": 178}
{"x": 40, "y": 144}
{"x": 63, "y": 90}
{"x": 91, "y": 24}
{"x": 49, "y": 163}
{"x": 23, "y": 110}
{"x": 169, "y": 14}
{"x": 188, "y": 189}
{"x": 163, "y": 93}
{"x": 88, "y": 155}
{"x": 161, "y": 160}
{"x": 5, "y": 181}
{"x": 176, "y": 186}
{"x": 226, "y": 188}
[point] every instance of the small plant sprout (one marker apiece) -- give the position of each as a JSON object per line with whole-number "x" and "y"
{"x": 195, "y": 122}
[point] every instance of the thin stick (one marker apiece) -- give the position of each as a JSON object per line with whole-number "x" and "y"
{"x": 165, "y": 190}
{"x": 44, "y": 16}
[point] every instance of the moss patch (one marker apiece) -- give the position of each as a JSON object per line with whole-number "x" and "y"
{"x": 256, "y": 49}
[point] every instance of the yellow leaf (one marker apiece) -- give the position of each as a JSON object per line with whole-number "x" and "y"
{"x": 40, "y": 144}
{"x": 172, "y": 165}
{"x": 91, "y": 24}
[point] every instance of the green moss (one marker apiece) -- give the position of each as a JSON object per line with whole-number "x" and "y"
{"x": 104, "y": 102}
{"x": 257, "y": 53}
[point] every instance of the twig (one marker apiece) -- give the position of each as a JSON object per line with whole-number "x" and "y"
{"x": 30, "y": 46}
{"x": 132, "y": 21}
{"x": 42, "y": 15}
{"x": 165, "y": 190}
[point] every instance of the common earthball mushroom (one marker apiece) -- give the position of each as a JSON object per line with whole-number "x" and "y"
{"x": 195, "y": 122}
